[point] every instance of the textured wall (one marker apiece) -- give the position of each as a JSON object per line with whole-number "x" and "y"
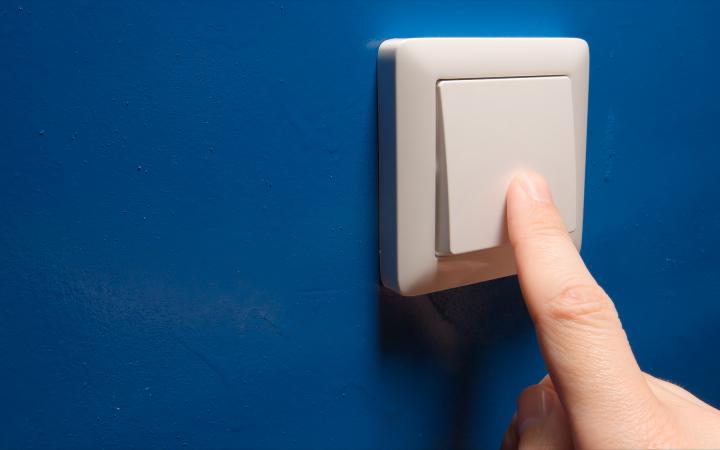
{"x": 188, "y": 223}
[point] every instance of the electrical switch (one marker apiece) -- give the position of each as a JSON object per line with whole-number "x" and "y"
{"x": 458, "y": 118}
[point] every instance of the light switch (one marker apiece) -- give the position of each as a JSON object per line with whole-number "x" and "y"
{"x": 457, "y": 118}
{"x": 488, "y": 130}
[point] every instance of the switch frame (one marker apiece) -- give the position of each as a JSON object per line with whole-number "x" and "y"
{"x": 408, "y": 72}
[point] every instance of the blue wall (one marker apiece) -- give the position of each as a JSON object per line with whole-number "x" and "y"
{"x": 188, "y": 223}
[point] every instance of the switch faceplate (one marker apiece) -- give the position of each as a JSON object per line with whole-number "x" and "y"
{"x": 487, "y": 131}
{"x": 457, "y": 117}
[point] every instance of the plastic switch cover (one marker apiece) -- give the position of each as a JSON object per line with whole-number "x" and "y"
{"x": 457, "y": 117}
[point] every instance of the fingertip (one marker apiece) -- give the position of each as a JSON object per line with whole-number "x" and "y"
{"x": 533, "y": 406}
{"x": 527, "y": 193}
{"x": 534, "y": 185}
{"x": 541, "y": 419}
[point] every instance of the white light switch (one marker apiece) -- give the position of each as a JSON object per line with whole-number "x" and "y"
{"x": 457, "y": 118}
{"x": 488, "y": 130}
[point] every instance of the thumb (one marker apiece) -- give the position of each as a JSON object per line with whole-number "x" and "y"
{"x": 581, "y": 338}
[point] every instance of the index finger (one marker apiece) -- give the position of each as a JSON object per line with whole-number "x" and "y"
{"x": 581, "y": 338}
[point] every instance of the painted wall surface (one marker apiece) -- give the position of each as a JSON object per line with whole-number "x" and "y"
{"x": 188, "y": 223}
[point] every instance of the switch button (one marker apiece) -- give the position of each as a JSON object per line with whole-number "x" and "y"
{"x": 488, "y": 130}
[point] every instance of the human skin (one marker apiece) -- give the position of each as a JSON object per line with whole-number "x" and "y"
{"x": 595, "y": 395}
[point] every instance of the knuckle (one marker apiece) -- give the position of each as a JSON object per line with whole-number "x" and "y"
{"x": 584, "y": 302}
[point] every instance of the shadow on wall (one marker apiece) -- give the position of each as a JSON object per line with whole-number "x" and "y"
{"x": 454, "y": 330}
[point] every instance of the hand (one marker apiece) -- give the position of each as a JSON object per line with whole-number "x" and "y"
{"x": 595, "y": 395}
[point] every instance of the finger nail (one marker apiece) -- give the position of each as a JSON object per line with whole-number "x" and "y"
{"x": 535, "y": 186}
{"x": 534, "y": 407}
